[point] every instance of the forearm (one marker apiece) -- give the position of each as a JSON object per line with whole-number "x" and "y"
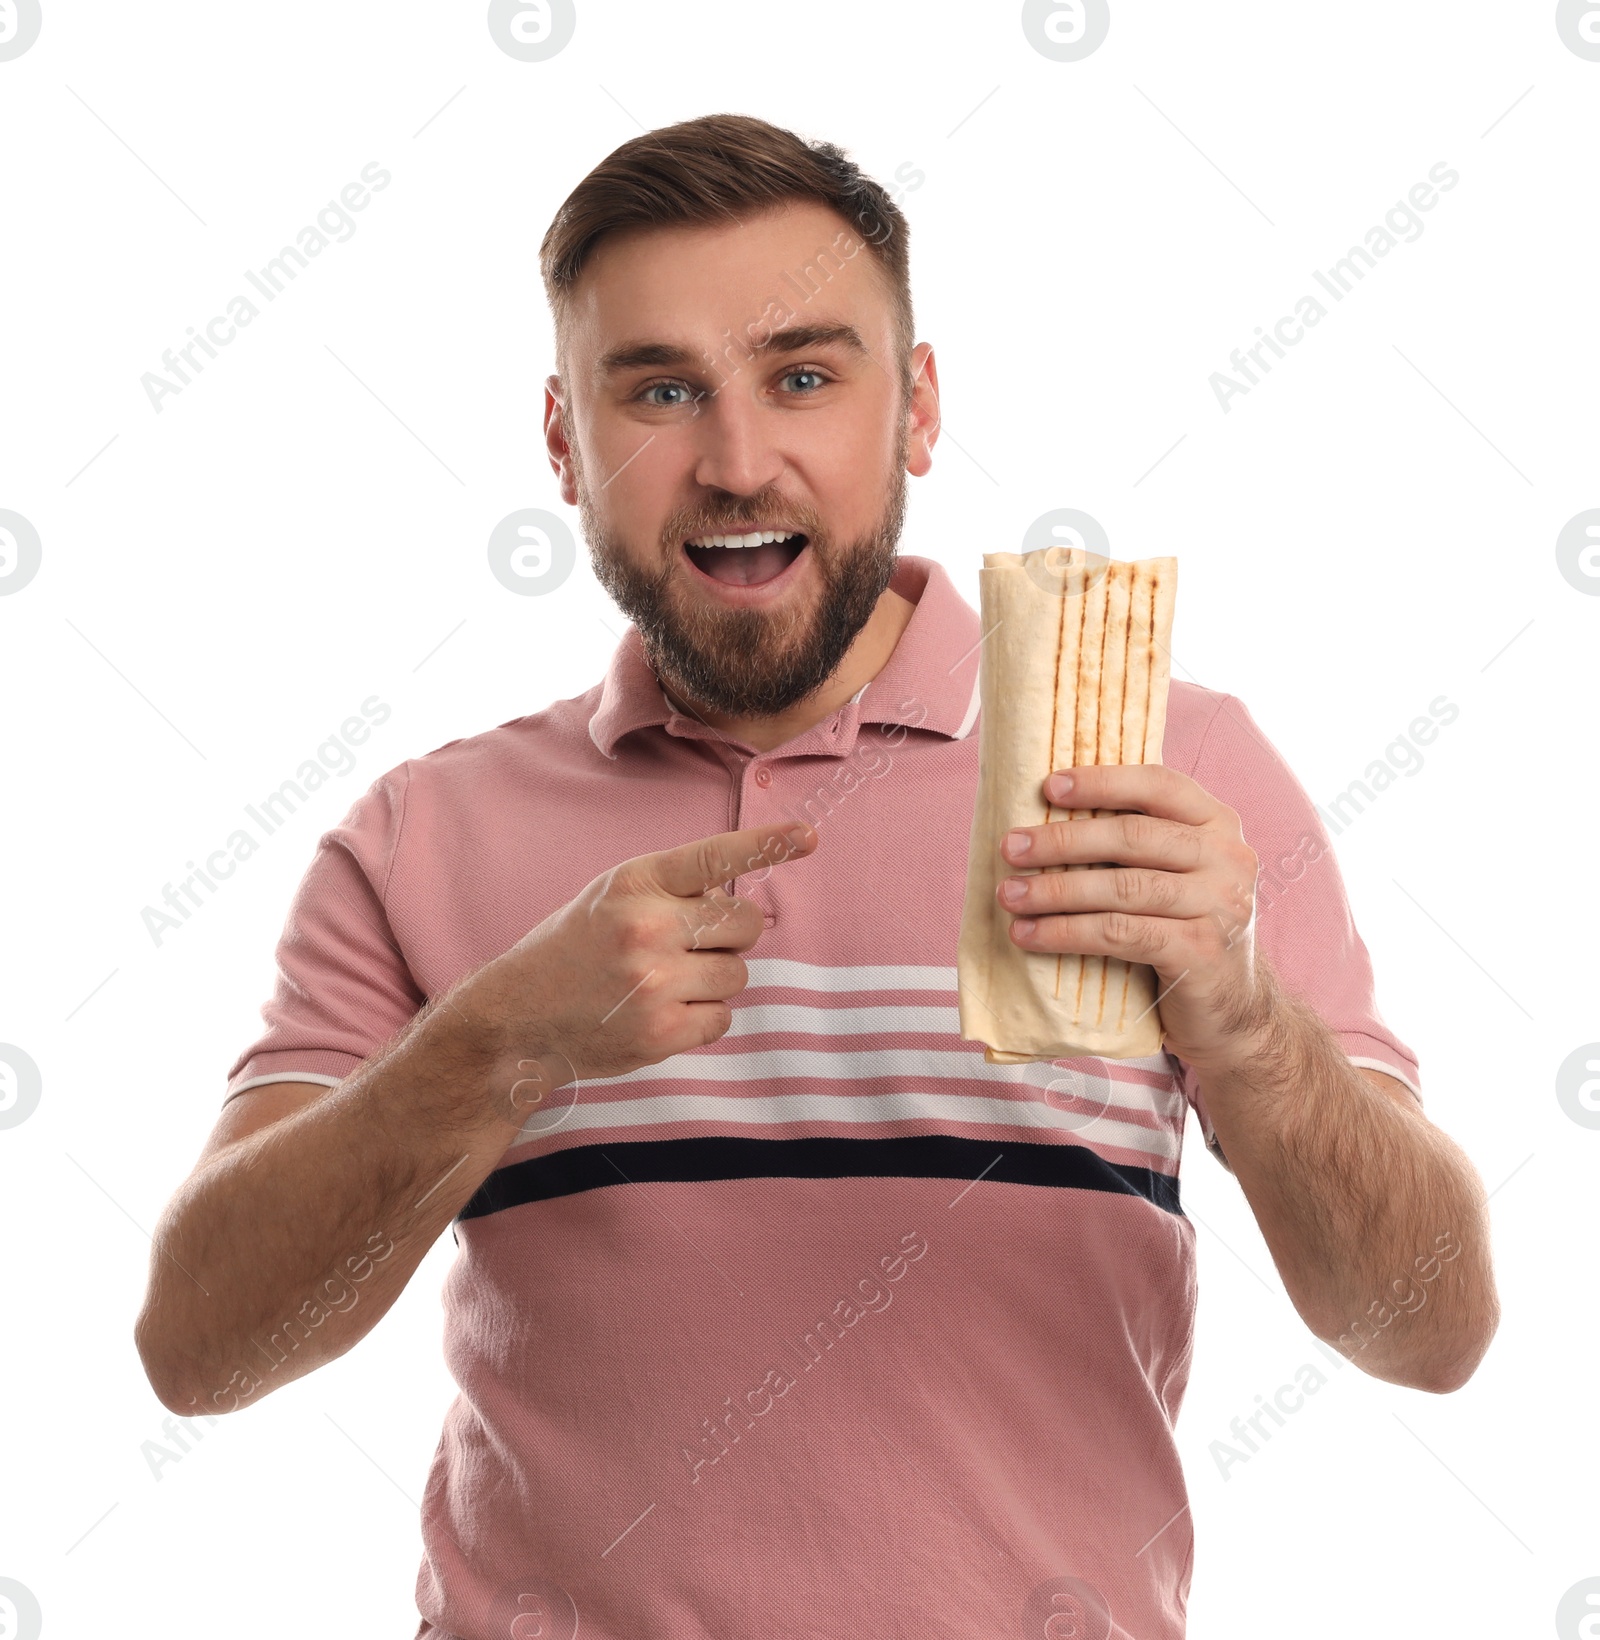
{"x": 1377, "y": 1222}
{"x": 290, "y": 1246}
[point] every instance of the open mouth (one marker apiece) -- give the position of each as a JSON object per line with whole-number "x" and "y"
{"x": 747, "y": 566}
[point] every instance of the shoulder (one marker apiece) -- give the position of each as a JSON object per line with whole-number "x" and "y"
{"x": 516, "y": 750}
{"x": 1228, "y": 754}
{"x": 1192, "y": 713}
{"x": 1215, "y": 739}
{"x": 475, "y": 780}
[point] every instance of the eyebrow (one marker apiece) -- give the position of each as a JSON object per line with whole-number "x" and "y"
{"x": 795, "y": 339}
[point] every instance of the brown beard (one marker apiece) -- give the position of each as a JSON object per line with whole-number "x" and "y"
{"x": 750, "y": 662}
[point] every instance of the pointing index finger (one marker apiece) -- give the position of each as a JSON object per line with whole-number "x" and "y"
{"x": 695, "y": 868}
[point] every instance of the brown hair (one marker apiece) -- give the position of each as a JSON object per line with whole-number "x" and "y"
{"x": 717, "y": 169}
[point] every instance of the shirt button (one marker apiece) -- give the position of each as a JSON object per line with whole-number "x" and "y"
{"x": 763, "y": 777}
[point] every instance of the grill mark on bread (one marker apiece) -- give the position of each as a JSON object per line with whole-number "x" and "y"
{"x": 1122, "y": 717}
{"x": 1096, "y": 964}
{"x": 1146, "y": 596}
{"x": 1150, "y": 664}
{"x": 1055, "y": 708}
{"x": 1148, "y": 623}
{"x": 1119, "y": 594}
{"x": 1077, "y": 714}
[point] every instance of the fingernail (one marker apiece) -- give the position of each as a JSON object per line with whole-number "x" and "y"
{"x": 1012, "y": 890}
{"x": 1018, "y": 843}
{"x": 1022, "y": 927}
{"x": 1058, "y": 785}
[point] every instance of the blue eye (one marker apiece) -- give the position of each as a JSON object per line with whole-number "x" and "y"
{"x": 642, "y": 396}
{"x": 653, "y": 386}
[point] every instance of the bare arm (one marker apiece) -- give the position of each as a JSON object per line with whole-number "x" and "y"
{"x": 286, "y": 1247}
{"x": 287, "y": 1244}
{"x": 1366, "y": 1206}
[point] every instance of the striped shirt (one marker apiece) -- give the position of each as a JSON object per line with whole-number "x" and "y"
{"x": 829, "y": 1328}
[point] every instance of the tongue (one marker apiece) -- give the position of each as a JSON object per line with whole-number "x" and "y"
{"x": 746, "y": 566}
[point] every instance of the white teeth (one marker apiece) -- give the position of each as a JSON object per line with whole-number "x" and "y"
{"x": 758, "y": 538}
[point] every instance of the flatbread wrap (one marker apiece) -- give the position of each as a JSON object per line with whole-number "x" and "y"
{"x": 1073, "y": 670}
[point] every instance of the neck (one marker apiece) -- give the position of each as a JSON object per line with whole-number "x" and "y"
{"x": 862, "y": 662}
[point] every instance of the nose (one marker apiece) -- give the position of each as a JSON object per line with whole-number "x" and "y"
{"x": 734, "y": 445}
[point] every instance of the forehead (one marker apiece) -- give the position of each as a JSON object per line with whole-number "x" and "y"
{"x": 707, "y": 289}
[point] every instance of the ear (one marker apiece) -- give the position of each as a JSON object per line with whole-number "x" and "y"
{"x": 922, "y": 422}
{"x": 556, "y": 436}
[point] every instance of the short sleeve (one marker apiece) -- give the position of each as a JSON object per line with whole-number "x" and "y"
{"x": 343, "y": 987}
{"x": 1303, "y": 919}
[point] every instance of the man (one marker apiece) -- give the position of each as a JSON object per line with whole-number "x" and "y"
{"x": 777, "y": 1309}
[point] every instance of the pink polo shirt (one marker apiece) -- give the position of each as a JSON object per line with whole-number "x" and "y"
{"x": 830, "y": 1328}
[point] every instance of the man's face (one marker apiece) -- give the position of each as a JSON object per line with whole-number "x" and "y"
{"x": 810, "y": 438}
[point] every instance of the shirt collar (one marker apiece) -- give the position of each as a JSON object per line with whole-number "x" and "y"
{"x": 930, "y": 681}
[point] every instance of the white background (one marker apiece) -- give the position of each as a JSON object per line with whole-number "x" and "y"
{"x": 223, "y": 583}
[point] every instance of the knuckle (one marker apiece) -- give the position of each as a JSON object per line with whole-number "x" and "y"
{"x": 657, "y": 1032}
{"x": 1131, "y": 887}
{"x": 716, "y": 1018}
{"x": 1052, "y": 838}
{"x": 1130, "y": 932}
{"x": 634, "y": 933}
{"x": 1244, "y": 899}
{"x": 749, "y": 927}
{"x": 641, "y": 978}
{"x": 1163, "y": 891}
{"x": 712, "y": 862}
{"x": 719, "y": 918}
{"x": 705, "y": 919}
{"x": 1140, "y": 831}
